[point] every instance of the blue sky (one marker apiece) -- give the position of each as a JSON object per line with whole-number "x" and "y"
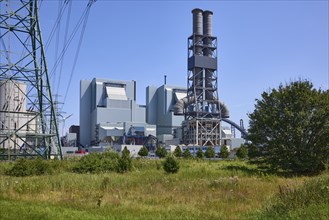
{"x": 260, "y": 45}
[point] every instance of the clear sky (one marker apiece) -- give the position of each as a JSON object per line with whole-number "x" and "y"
{"x": 260, "y": 45}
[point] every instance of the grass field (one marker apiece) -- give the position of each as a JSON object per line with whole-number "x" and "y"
{"x": 200, "y": 190}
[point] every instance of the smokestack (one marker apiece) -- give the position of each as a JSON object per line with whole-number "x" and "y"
{"x": 207, "y": 23}
{"x": 207, "y": 31}
{"x": 197, "y": 21}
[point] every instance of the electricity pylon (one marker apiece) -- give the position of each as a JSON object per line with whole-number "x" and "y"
{"x": 28, "y": 122}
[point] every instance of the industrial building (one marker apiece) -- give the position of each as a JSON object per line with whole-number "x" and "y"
{"x": 110, "y": 115}
{"x": 18, "y": 125}
{"x": 160, "y": 111}
{"x": 192, "y": 115}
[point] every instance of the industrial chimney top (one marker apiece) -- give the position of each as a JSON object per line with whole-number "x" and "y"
{"x": 197, "y": 10}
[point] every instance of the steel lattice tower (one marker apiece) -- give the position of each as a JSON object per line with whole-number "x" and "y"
{"x": 28, "y": 122}
{"x": 202, "y": 109}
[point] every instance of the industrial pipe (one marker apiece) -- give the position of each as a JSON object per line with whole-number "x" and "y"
{"x": 197, "y": 21}
{"x": 180, "y": 105}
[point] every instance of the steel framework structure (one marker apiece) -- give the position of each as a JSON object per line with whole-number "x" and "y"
{"x": 202, "y": 110}
{"x": 28, "y": 122}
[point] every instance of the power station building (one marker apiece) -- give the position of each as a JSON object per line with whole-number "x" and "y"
{"x": 18, "y": 124}
{"x": 160, "y": 111}
{"x": 109, "y": 114}
{"x": 192, "y": 115}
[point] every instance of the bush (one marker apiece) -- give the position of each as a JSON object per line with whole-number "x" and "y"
{"x": 124, "y": 164}
{"x": 143, "y": 152}
{"x": 24, "y": 167}
{"x": 20, "y": 168}
{"x": 210, "y": 153}
{"x": 171, "y": 165}
{"x": 161, "y": 152}
{"x": 199, "y": 153}
{"x": 242, "y": 152}
{"x": 97, "y": 163}
{"x": 178, "y": 152}
{"x": 224, "y": 153}
{"x": 187, "y": 154}
{"x": 125, "y": 151}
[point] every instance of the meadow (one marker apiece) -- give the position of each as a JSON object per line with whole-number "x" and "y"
{"x": 202, "y": 189}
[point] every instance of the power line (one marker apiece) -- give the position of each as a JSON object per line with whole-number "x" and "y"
{"x": 65, "y": 41}
{"x": 79, "y": 46}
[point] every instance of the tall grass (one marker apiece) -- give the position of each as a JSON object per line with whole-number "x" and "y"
{"x": 311, "y": 200}
{"x": 200, "y": 190}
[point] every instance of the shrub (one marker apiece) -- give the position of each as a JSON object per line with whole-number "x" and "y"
{"x": 199, "y": 153}
{"x": 242, "y": 152}
{"x": 161, "y": 152}
{"x": 187, "y": 154}
{"x": 143, "y": 152}
{"x": 125, "y": 151}
{"x": 210, "y": 153}
{"x": 124, "y": 164}
{"x": 171, "y": 165}
{"x": 24, "y": 167}
{"x": 20, "y": 168}
{"x": 178, "y": 152}
{"x": 224, "y": 153}
{"x": 97, "y": 163}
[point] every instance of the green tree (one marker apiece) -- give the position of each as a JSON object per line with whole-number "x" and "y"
{"x": 253, "y": 151}
{"x": 187, "y": 154}
{"x": 125, "y": 151}
{"x": 161, "y": 152}
{"x": 291, "y": 126}
{"x": 178, "y": 152}
{"x": 242, "y": 152}
{"x": 199, "y": 153}
{"x": 143, "y": 152}
{"x": 224, "y": 153}
{"x": 171, "y": 165}
{"x": 210, "y": 153}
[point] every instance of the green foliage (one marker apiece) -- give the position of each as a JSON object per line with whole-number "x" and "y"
{"x": 171, "y": 164}
{"x": 224, "y": 153}
{"x": 125, "y": 151}
{"x": 253, "y": 151}
{"x": 291, "y": 198}
{"x": 178, "y": 152}
{"x": 291, "y": 126}
{"x": 242, "y": 152}
{"x": 187, "y": 154}
{"x": 199, "y": 153}
{"x": 210, "y": 152}
{"x": 24, "y": 167}
{"x": 124, "y": 164}
{"x": 161, "y": 152}
{"x": 143, "y": 152}
{"x": 97, "y": 163}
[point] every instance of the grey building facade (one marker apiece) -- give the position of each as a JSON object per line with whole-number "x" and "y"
{"x": 159, "y": 110}
{"x": 106, "y": 107}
